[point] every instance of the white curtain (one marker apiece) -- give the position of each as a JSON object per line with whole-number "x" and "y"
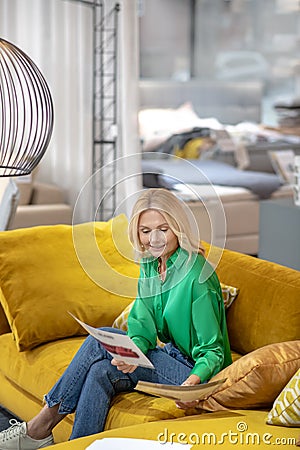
{"x": 131, "y": 184}
{"x": 58, "y": 36}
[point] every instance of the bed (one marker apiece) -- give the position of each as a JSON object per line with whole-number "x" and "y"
{"x": 223, "y": 199}
{"x": 187, "y": 148}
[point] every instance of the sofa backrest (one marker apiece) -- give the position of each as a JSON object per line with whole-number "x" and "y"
{"x": 267, "y": 309}
{"x": 230, "y": 102}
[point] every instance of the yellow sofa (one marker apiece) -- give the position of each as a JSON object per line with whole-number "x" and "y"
{"x": 47, "y": 271}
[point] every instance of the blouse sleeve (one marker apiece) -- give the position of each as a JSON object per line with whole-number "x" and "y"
{"x": 208, "y": 352}
{"x": 141, "y": 321}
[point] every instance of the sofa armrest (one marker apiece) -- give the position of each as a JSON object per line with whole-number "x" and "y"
{"x": 45, "y": 194}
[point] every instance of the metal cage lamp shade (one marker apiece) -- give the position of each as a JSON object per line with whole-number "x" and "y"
{"x": 26, "y": 112}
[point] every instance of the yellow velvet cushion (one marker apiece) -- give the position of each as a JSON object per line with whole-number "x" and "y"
{"x": 229, "y": 295}
{"x": 46, "y": 363}
{"x": 50, "y": 270}
{"x": 256, "y": 379}
{"x": 286, "y": 408}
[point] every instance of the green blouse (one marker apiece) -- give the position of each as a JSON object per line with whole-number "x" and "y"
{"x": 186, "y": 309}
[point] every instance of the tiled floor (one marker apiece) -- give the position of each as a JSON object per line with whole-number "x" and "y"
{"x": 5, "y": 416}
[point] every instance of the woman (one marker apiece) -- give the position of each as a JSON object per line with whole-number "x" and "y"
{"x": 179, "y": 301}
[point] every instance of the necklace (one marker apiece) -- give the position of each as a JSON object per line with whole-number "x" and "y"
{"x": 162, "y": 273}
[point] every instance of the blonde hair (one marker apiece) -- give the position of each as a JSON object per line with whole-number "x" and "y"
{"x": 175, "y": 213}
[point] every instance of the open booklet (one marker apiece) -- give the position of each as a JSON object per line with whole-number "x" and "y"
{"x": 179, "y": 393}
{"x": 134, "y": 444}
{"x": 120, "y": 346}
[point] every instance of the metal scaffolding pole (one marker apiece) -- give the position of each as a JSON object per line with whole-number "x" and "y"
{"x": 105, "y": 108}
{"x": 105, "y": 66}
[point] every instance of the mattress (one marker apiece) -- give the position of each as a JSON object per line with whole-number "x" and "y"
{"x": 227, "y": 194}
{"x": 166, "y": 173}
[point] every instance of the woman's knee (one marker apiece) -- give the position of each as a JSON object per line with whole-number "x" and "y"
{"x": 91, "y": 343}
{"x": 104, "y": 372}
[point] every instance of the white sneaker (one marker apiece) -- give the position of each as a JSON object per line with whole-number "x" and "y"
{"x": 15, "y": 438}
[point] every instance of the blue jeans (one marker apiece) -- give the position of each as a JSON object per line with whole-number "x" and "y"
{"x": 90, "y": 382}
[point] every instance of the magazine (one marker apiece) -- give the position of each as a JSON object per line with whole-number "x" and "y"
{"x": 179, "y": 393}
{"x": 120, "y": 346}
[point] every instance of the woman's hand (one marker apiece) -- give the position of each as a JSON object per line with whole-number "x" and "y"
{"x": 122, "y": 366}
{"x": 192, "y": 380}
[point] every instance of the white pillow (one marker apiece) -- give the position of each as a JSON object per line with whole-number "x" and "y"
{"x": 156, "y": 125}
